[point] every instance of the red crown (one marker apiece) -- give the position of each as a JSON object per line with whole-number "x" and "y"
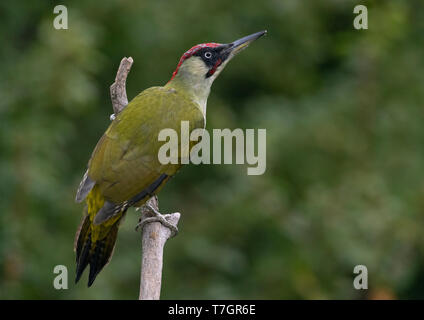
{"x": 192, "y": 51}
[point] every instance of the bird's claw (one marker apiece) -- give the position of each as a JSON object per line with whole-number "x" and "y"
{"x": 158, "y": 217}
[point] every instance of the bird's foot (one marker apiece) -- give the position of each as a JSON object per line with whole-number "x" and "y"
{"x": 158, "y": 217}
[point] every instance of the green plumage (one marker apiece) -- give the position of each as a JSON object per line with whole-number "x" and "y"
{"x": 125, "y": 161}
{"x": 125, "y": 164}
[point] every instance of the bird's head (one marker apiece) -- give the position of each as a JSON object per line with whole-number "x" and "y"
{"x": 201, "y": 65}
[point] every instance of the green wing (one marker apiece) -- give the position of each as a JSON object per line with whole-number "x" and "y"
{"x": 125, "y": 160}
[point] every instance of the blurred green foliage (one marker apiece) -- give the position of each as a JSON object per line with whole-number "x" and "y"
{"x": 344, "y": 116}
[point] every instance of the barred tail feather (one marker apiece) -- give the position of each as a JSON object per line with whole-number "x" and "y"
{"x": 94, "y": 253}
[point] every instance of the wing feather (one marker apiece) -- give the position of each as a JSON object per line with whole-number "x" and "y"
{"x": 125, "y": 161}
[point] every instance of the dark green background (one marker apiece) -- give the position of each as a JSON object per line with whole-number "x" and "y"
{"x": 344, "y": 116}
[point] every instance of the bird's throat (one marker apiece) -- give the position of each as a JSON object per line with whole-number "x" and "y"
{"x": 196, "y": 89}
{"x": 191, "y": 78}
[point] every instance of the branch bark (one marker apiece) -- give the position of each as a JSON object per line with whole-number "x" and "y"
{"x": 118, "y": 91}
{"x": 154, "y": 237}
{"x": 154, "y": 234}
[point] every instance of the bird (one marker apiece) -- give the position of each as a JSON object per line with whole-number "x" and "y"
{"x": 123, "y": 170}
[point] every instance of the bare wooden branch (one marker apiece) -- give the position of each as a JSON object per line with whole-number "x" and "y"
{"x": 154, "y": 237}
{"x": 154, "y": 234}
{"x": 118, "y": 91}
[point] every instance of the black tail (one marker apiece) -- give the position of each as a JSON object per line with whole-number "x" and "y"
{"x": 96, "y": 254}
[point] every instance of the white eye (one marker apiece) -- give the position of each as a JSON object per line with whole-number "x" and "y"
{"x": 208, "y": 55}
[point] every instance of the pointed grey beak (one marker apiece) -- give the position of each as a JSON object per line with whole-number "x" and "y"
{"x": 240, "y": 44}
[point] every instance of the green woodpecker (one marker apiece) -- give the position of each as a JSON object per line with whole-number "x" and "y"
{"x": 124, "y": 169}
